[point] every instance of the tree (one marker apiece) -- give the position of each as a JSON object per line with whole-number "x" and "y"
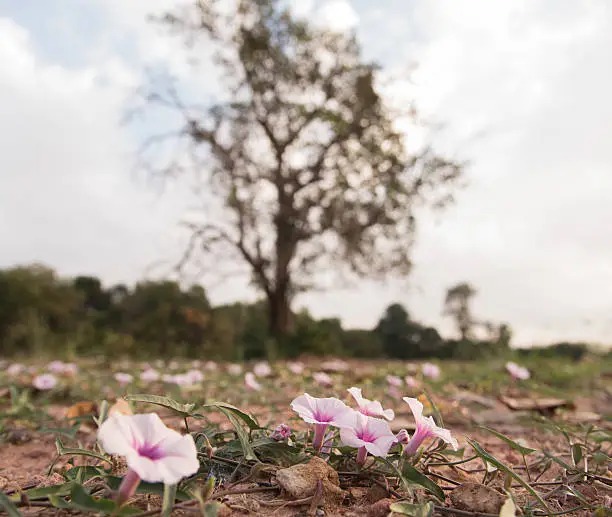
{"x": 35, "y": 301}
{"x": 160, "y": 312}
{"x": 302, "y": 155}
{"x": 457, "y": 305}
{"x": 399, "y": 335}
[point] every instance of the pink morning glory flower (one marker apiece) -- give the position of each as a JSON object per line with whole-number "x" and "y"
{"x": 262, "y": 369}
{"x": 322, "y": 379}
{"x": 123, "y": 378}
{"x": 15, "y": 369}
{"x": 517, "y": 372}
{"x": 335, "y": 365}
{"x": 234, "y": 369}
{"x": 295, "y": 368}
{"x": 425, "y": 428}
{"x": 149, "y": 375}
{"x": 70, "y": 369}
{"x": 368, "y": 434}
{"x": 322, "y": 412}
{"x": 430, "y": 370}
{"x": 56, "y": 366}
{"x": 195, "y": 376}
{"x": 181, "y": 379}
{"x": 394, "y": 380}
{"x": 250, "y": 382}
{"x": 411, "y": 382}
{"x": 153, "y": 452}
{"x": 281, "y": 433}
{"x": 402, "y": 437}
{"x": 210, "y": 366}
{"x": 370, "y": 407}
{"x": 46, "y": 381}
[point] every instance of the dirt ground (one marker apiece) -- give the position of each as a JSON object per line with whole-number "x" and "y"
{"x": 25, "y": 457}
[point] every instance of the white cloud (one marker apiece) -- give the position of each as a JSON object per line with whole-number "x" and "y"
{"x": 338, "y": 15}
{"x": 522, "y": 86}
{"x": 66, "y": 194}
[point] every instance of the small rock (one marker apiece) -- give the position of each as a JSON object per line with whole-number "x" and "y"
{"x": 376, "y": 493}
{"x": 380, "y": 508}
{"x": 300, "y": 481}
{"x": 358, "y": 493}
{"x": 477, "y": 498}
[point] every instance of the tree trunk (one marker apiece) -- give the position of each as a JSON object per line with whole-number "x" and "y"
{"x": 279, "y": 313}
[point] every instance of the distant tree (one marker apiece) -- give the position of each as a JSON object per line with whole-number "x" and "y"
{"x": 315, "y": 337}
{"x": 362, "y": 343}
{"x": 94, "y": 296}
{"x": 34, "y": 296}
{"x": 301, "y": 159}
{"x": 239, "y": 331}
{"x": 400, "y": 337}
{"x": 431, "y": 343}
{"x": 457, "y": 306}
{"x": 162, "y": 313}
{"x": 504, "y": 335}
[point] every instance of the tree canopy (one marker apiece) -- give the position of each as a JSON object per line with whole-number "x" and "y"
{"x": 300, "y": 155}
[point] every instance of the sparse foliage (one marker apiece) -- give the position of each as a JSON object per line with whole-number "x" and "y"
{"x": 301, "y": 156}
{"x": 457, "y": 305}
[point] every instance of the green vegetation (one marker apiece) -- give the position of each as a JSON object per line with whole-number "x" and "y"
{"x": 43, "y": 314}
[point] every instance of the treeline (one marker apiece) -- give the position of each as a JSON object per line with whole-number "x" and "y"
{"x": 41, "y": 313}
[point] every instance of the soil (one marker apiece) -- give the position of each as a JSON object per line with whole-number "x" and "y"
{"x": 25, "y": 457}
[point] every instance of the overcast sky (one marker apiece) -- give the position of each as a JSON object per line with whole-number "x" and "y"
{"x": 523, "y": 87}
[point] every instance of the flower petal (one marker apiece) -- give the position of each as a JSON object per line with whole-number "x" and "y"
{"x": 349, "y": 438}
{"x": 356, "y": 394}
{"x": 389, "y": 414}
{"x": 118, "y": 436}
{"x": 416, "y": 407}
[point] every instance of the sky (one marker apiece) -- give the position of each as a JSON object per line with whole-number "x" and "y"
{"x": 520, "y": 89}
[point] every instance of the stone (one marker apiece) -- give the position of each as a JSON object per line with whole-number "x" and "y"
{"x": 300, "y": 481}
{"x": 475, "y": 497}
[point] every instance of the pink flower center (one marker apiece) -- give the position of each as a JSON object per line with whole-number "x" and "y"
{"x": 153, "y": 452}
{"x": 367, "y": 411}
{"x": 366, "y": 435}
{"x": 321, "y": 416}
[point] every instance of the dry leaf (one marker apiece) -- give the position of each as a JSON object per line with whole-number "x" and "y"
{"x": 508, "y": 509}
{"x": 121, "y": 407}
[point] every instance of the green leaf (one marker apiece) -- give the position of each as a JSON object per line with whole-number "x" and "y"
{"x": 80, "y": 499}
{"x": 247, "y": 450}
{"x": 414, "y": 476}
{"x": 82, "y": 474}
{"x": 411, "y": 476}
{"x": 501, "y": 466}
{"x": 279, "y": 451}
{"x": 8, "y": 506}
{"x": 413, "y": 510}
{"x": 436, "y": 412}
{"x": 58, "y": 501}
{"x": 523, "y": 451}
{"x": 559, "y": 461}
{"x": 146, "y": 488}
{"x": 103, "y": 413}
{"x": 183, "y": 409}
{"x": 168, "y": 501}
{"x": 65, "y": 451}
{"x": 576, "y": 453}
{"x": 44, "y": 492}
{"x": 211, "y": 509}
{"x": 246, "y": 418}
